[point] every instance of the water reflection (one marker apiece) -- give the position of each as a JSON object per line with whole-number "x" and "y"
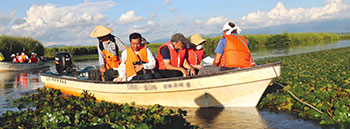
{"x": 262, "y": 52}
{"x": 14, "y": 85}
{"x": 245, "y": 118}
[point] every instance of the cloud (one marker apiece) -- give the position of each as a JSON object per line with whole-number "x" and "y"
{"x": 167, "y": 2}
{"x": 216, "y": 20}
{"x": 129, "y": 17}
{"x": 65, "y": 25}
{"x": 5, "y": 19}
{"x": 334, "y": 9}
{"x": 153, "y": 15}
{"x": 173, "y": 9}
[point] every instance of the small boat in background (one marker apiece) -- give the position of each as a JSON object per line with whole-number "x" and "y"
{"x": 9, "y": 66}
{"x": 231, "y": 88}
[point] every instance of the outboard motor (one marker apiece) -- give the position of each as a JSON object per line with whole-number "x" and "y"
{"x": 64, "y": 63}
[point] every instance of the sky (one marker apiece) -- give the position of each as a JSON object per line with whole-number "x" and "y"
{"x": 70, "y": 22}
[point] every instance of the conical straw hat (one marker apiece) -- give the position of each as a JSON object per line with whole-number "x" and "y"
{"x": 100, "y": 31}
{"x": 197, "y": 39}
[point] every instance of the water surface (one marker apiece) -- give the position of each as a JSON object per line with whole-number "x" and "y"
{"x": 14, "y": 85}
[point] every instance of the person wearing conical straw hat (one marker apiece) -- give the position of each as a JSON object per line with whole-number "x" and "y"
{"x": 195, "y": 52}
{"x": 232, "y": 51}
{"x": 108, "y": 48}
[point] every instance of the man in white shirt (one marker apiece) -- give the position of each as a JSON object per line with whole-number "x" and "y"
{"x": 137, "y": 60}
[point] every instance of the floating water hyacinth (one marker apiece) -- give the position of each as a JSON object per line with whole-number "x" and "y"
{"x": 318, "y": 78}
{"x": 55, "y": 110}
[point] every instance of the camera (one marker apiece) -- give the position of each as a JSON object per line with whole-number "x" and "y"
{"x": 138, "y": 63}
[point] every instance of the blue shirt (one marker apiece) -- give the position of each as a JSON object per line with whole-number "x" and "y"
{"x": 221, "y": 46}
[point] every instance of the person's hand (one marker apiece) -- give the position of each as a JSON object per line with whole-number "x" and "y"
{"x": 193, "y": 72}
{"x": 118, "y": 79}
{"x": 138, "y": 68}
{"x": 197, "y": 66}
{"x": 102, "y": 69}
{"x": 184, "y": 72}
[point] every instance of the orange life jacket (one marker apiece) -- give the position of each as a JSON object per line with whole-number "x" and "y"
{"x": 194, "y": 57}
{"x": 236, "y": 52}
{"x": 176, "y": 58}
{"x": 131, "y": 57}
{"x": 23, "y": 58}
{"x": 111, "y": 61}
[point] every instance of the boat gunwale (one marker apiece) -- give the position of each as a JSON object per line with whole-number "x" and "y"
{"x": 32, "y": 66}
{"x": 167, "y": 79}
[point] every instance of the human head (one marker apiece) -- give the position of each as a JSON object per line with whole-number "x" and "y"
{"x": 197, "y": 39}
{"x": 179, "y": 40}
{"x": 230, "y": 28}
{"x": 22, "y": 53}
{"x": 13, "y": 55}
{"x": 135, "y": 41}
{"x": 102, "y": 33}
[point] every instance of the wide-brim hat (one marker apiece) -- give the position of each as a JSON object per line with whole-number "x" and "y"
{"x": 197, "y": 39}
{"x": 100, "y": 31}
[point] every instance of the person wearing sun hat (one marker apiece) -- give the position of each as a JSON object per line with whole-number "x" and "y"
{"x": 171, "y": 58}
{"x": 232, "y": 51}
{"x": 108, "y": 48}
{"x": 195, "y": 52}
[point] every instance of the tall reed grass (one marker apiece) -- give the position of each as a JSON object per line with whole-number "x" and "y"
{"x": 11, "y": 44}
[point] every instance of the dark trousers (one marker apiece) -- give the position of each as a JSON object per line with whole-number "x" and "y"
{"x": 170, "y": 73}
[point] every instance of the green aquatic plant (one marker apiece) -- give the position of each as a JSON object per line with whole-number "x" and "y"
{"x": 50, "y": 108}
{"x": 321, "y": 79}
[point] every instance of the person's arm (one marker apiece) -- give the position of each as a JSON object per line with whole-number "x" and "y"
{"x": 217, "y": 59}
{"x": 219, "y": 51}
{"x": 151, "y": 60}
{"x": 122, "y": 68}
{"x": 188, "y": 66}
{"x": 168, "y": 66}
{"x": 120, "y": 44}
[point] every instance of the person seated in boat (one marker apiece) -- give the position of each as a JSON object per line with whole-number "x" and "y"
{"x": 23, "y": 58}
{"x": 2, "y": 57}
{"x": 171, "y": 58}
{"x": 34, "y": 58}
{"x": 137, "y": 61}
{"x": 195, "y": 52}
{"x": 14, "y": 58}
{"x": 232, "y": 51}
{"x": 108, "y": 48}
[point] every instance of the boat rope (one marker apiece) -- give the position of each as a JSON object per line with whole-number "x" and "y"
{"x": 305, "y": 103}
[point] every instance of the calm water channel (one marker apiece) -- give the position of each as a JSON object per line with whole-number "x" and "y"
{"x": 14, "y": 85}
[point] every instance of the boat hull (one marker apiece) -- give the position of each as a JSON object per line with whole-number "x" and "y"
{"x": 8, "y": 66}
{"x": 235, "y": 88}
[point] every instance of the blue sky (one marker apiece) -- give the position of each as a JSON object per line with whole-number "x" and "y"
{"x": 69, "y": 22}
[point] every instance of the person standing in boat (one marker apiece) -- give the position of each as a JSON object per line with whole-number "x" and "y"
{"x": 108, "y": 48}
{"x": 171, "y": 58}
{"x": 232, "y": 51}
{"x": 195, "y": 52}
{"x": 137, "y": 61}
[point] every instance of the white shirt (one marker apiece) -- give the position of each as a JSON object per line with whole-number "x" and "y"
{"x": 122, "y": 69}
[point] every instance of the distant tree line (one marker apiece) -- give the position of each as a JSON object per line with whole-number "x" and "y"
{"x": 11, "y": 45}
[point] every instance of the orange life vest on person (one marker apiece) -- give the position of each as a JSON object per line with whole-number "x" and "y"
{"x": 23, "y": 58}
{"x": 176, "y": 58}
{"x": 131, "y": 57}
{"x": 236, "y": 52}
{"x": 111, "y": 61}
{"x": 194, "y": 57}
